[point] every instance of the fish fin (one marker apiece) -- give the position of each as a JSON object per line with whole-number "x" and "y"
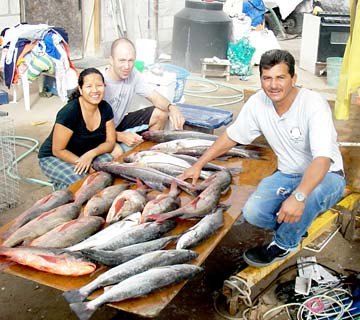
{"x": 223, "y": 158}
{"x": 223, "y": 205}
{"x": 82, "y": 310}
{"x": 193, "y": 192}
{"x": 161, "y": 217}
{"x": 73, "y": 296}
{"x": 174, "y": 190}
{"x": 51, "y": 259}
{"x": 234, "y": 171}
{"x": 107, "y": 288}
{"x": 27, "y": 242}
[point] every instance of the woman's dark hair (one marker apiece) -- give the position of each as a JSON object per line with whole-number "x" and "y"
{"x": 76, "y": 94}
{"x": 273, "y": 57}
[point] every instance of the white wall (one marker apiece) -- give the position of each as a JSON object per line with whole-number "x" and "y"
{"x": 9, "y": 13}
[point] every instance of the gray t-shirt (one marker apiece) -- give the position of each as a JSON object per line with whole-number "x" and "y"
{"x": 304, "y": 132}
{"x": 120, "y": 94}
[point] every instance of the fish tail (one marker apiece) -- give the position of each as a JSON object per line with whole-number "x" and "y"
{"x": 73, "y": 296}
{"x": 83, "y": 310}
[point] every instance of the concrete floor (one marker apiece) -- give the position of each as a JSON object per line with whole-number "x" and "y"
{"x": 22, "y": 299}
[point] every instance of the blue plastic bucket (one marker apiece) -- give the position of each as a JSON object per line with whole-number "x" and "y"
{"x": 333, "y": 68}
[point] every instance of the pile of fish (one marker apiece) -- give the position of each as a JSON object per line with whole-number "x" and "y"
{"x": 127, "y": 227}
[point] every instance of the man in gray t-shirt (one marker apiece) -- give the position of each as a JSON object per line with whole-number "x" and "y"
{"x": 123, "y": 82}
{"x": 297, "y": 124}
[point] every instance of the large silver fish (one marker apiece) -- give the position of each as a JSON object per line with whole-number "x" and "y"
{"x": 222, "y": 178}
{"x": 69, "y": 233}
{"x": 100, "y": 203}
{"x": 91, "y": 185}
{"x": 201, "y": 231}
{"x": 209, "y": 166}
{"x": 153, "y": 178}
{"x": 116, "y": 257}
{"x": 163, "y": 202}
{"x": 163, "y": 162}
{"x": 203, "y": 204}
{"x": 57, "y": 261}
{"x": 169, "y": 135}
{"x": 137, "y": 286}
{"x": 137, "y": 265}
{"x": 136, "y": 234}
{"x": 197, "y": 147}
{"x": 126, "y": 203}
{"x": 107, "y": 233}
{"x": 43, "y": 223}
{"x": 51, "y": 201}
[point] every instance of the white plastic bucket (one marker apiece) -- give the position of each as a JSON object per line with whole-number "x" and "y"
{"x": 333, "y": 68}
{"x": 146, "y": 51}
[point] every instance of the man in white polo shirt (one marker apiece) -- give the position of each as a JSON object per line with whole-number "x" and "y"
{"x": 298, "y": 125}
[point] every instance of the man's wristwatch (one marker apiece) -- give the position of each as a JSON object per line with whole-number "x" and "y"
{"x": 299, "y": 196}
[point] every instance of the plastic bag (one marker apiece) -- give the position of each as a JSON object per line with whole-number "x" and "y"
{"x": 255, "y": 9}
{"x": 240, "y": 54}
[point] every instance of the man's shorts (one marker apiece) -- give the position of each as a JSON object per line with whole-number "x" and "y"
{"x": 137, "y": 121}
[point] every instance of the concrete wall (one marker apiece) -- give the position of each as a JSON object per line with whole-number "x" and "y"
{"x": 9, "y": 13}
{"x": 140, "y": 17}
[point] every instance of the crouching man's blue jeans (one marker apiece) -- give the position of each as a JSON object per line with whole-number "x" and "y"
{"x": 262, "y": 206}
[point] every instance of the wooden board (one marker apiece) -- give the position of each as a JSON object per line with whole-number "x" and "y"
{"x": 151, "y": 305}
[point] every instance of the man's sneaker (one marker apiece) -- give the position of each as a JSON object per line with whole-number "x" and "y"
{"x": 264, "y": 255}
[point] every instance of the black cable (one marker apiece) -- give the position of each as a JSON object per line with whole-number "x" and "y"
{"x": 287, "y": 270}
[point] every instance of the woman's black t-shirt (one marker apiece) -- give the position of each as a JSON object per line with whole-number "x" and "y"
{"x": 82, "y": 140}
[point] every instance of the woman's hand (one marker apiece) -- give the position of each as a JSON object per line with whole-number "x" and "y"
{"x": 83, "y": 163}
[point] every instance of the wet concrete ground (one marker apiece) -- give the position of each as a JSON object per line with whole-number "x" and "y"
{"x": 21, "y": 299}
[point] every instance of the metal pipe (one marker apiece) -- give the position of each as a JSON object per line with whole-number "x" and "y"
{"x": 122, "y": 19}
{"x": 156, "y": 18}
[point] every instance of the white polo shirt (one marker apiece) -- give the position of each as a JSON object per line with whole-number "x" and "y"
{"x": 306, "y": 131}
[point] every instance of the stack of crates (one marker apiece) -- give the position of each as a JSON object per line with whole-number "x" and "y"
{"x": 9, "y": 184}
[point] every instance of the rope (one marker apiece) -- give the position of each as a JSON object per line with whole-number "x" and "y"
{"x": 244, "y": 294}
{"x": 216, "y": 85}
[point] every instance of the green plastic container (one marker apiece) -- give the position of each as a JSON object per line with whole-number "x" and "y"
{"x": 139, "y": 65}
{"x": 333, "y": 68}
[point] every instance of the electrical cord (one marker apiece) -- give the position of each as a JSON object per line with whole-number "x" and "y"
{"x": 244, "y": 291}
{"x": 315, "y": 306}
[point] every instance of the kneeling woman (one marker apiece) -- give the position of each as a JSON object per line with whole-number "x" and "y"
{"x": 83, "y": 132}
